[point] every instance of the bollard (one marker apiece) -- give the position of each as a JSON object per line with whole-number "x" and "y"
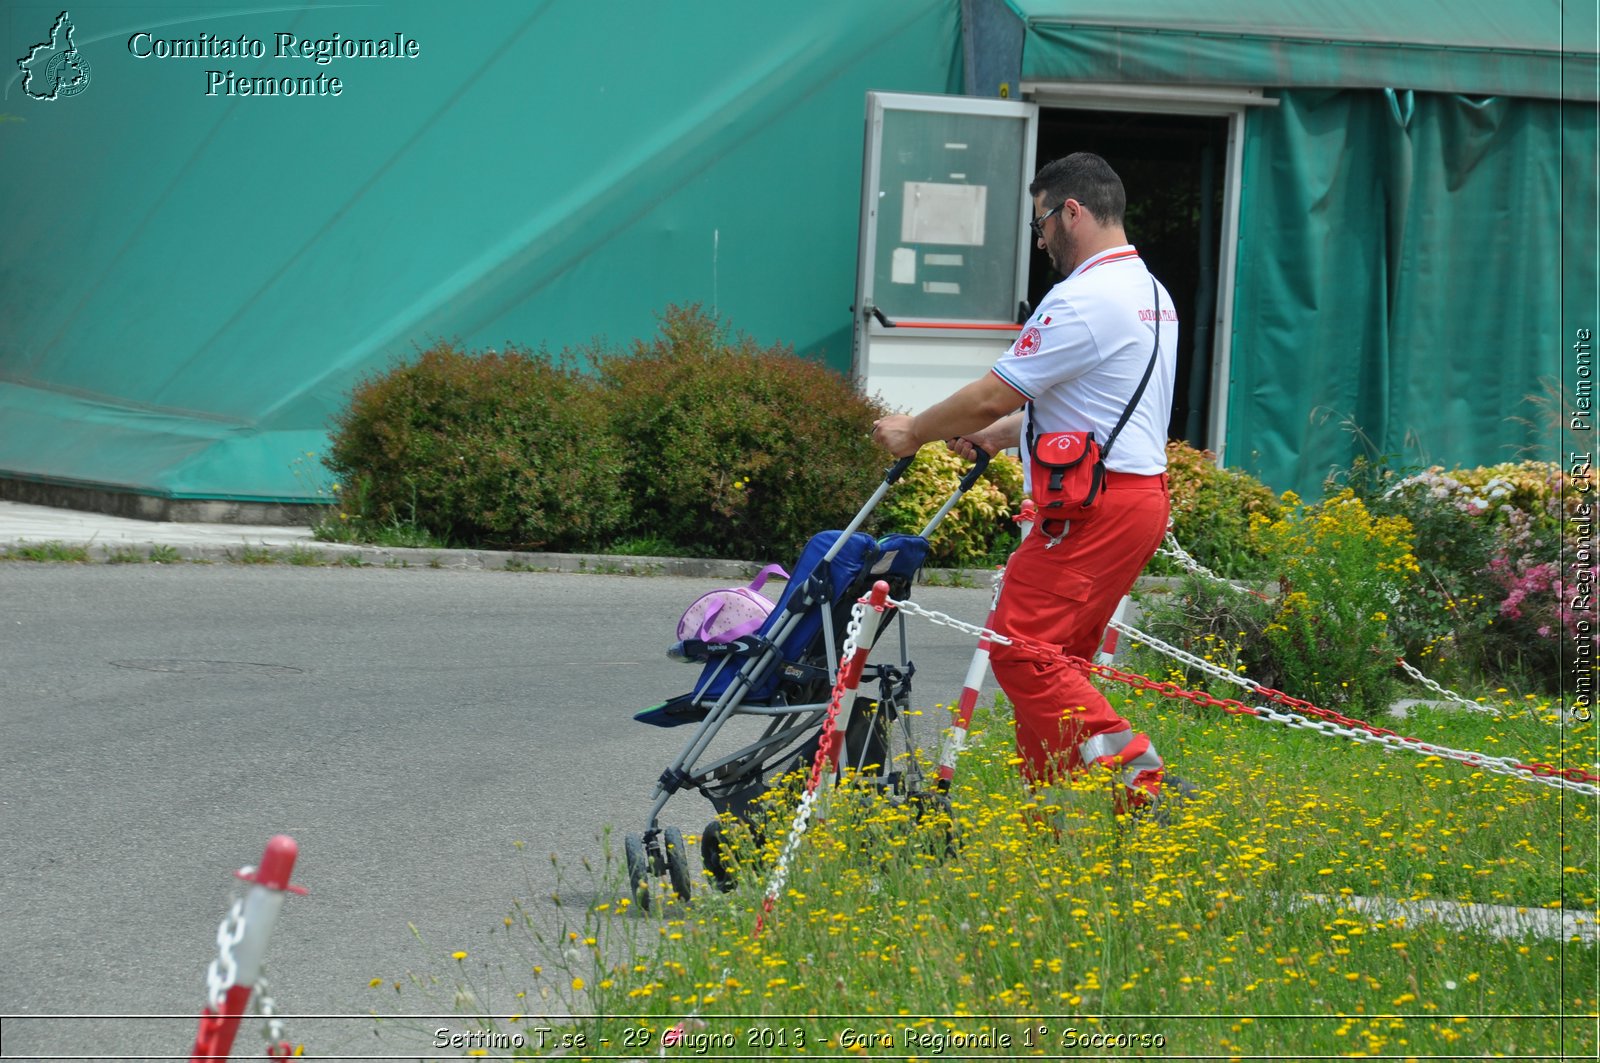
{"x": 242, "y": 948}
{"x": 1108, "y": 645}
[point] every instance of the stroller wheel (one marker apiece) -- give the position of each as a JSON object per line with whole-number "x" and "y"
{"x": 711, "y": 854}
{"x": 638, "y": 869}
{"x": 677, "y": 860}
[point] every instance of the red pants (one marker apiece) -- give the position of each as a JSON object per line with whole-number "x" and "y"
{"x": 1065, "y": 595}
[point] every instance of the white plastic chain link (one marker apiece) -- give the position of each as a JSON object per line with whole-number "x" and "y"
{"x": 1170, "y": 548}
{"x": 267, "y": 1008}
{"x": 802, "y": 813}
{"x": 224, "y": 969}
{"x": 1502, "y": 765}
{"x": 1448, "y": 695}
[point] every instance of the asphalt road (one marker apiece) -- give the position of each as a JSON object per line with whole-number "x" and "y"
{"x": 407, "y": 727}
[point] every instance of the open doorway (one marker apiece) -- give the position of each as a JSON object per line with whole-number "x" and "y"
{"x": 1173, "y": 167}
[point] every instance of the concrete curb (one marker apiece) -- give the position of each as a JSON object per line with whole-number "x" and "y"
{"x": 116, "y": 502}
{"x": 1496, "y": 920}
{"x": 313, "y": 553}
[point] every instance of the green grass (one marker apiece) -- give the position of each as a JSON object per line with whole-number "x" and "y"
{"x": 648, "y": 546}
{"x": 342, "y": 528}
{"x": 47, "y": 551}
{"x": 1055, "y": 915}
{"x": 163, "y": 554}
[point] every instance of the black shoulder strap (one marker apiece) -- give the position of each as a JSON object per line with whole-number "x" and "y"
{"x": 1138, "y": 392}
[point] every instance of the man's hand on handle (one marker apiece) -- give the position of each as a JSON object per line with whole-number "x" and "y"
{"x": 893, "y": 433}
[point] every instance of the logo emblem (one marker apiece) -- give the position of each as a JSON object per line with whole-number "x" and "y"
{"x": 55, "y": 69}
{"x": 1027, "y": 343}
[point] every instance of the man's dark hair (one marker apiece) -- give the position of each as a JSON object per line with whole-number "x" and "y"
{"x": 1089, "y": 179}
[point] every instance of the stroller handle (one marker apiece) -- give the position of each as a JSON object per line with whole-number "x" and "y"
{"x": 979, "y": 463}
{"x": 892, "y": 475}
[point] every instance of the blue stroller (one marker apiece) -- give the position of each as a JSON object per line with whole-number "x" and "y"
{"x": 784, "y": 675}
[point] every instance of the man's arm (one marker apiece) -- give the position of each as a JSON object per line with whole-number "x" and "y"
{"x": 974, "y": 408}
{"x": 1002, "y": 435}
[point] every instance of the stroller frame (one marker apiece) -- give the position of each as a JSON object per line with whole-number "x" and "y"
{"x": 752, "y": 676}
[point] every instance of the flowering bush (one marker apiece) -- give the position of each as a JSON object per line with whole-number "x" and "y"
{"x": 1343, "y": 571}
{"x": 979, "y": 530}
{"x": 1212, "y": 509}
{"x": 1491, "y": 599}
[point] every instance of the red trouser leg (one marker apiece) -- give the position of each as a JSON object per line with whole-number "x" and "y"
{"x": 1065, "y": 595}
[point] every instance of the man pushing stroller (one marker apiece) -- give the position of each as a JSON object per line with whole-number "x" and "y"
{"x": 1086, "y": 393}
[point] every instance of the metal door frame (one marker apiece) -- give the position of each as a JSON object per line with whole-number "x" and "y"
{"x": 869, "y": 324}
{"x": 1233, "y": 104}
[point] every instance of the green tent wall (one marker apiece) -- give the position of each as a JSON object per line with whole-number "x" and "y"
{"x": 190, "y": 284}
{"x": 1418, "y": 223}
{"x": 1403, "y": 286}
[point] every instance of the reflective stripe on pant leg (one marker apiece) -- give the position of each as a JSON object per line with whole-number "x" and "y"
{"x": 1105, "y": 744}
{"x": 1114, "y": 746}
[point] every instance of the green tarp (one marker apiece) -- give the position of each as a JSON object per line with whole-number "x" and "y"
{"x": 190, "y": 281}
{"x": 1540, "y": 48}
{"x": 1409, "y": 268}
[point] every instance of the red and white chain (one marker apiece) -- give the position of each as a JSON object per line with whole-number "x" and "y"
{"x": 1170, "y": 548}
{"x": 802, "y": 813}
{"x": 278, "y": 1046}
{"x": 1327, "y": 722}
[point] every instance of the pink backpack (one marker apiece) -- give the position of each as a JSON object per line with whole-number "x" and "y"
{"x": 730, "y": 613}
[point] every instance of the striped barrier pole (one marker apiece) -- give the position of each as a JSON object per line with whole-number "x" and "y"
{"x": 977, "y": 669}
{"x": 833, "y": 744}
{"x": 1108, "y": 646}
{"x": 242, "y": 948}
{"x": 827, "y": 767}
{"x": 962, "y": 720}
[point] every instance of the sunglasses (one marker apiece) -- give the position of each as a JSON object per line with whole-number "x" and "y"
{"x": 1037, "y": 224}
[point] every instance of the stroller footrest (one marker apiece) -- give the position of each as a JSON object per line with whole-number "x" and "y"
{"x": 675, "y": 713}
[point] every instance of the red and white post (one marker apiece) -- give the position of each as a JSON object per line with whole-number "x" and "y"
{"x": 961, "y": 719}
{"x": 833, "y": 744}
{"x": 1108, "y": 644}
{"x": 242, "y": 949}
{"x": 827, "y": 768}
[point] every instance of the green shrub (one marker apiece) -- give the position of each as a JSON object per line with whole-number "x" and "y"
{"x": 1489, "y": 541}
{"x": 1343, "y": 572}
{"x": 1212, "y": 509}
{"x": 1216, "y": 623}
{"x": 506, "y": 449}
{"x": 979, "y": 530}
{"x": 736, "y": 450}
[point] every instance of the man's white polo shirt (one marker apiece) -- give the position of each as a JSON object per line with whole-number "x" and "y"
{"x": 1080, "y": 357}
